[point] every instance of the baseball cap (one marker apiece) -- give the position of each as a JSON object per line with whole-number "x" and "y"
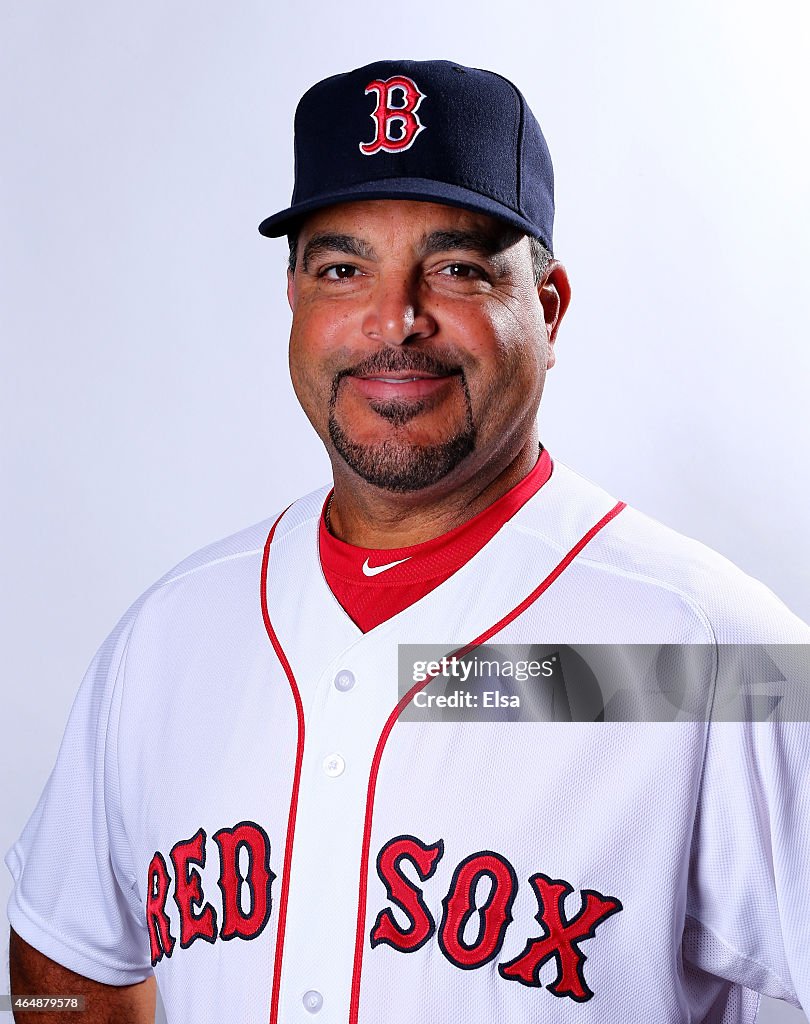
{"x": 430, "y": 130}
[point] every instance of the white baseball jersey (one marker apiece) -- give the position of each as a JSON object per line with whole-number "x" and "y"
{"x": 238, "y": 804}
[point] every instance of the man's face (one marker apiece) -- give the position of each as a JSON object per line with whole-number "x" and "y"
{"x": 419, "y": 342}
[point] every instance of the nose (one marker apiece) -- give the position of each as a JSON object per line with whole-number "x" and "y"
{"x": 396, "y": 312}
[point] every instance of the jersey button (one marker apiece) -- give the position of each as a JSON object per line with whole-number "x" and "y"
{"x": 344, "y": 680}
{"x": 313, "y": 1000}
{"x": 334, "y": 765}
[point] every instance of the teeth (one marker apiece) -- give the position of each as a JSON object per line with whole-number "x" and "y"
{"x": 396, "y": 380}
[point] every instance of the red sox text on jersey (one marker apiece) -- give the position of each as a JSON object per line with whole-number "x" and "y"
{"x": 559, "y": 940}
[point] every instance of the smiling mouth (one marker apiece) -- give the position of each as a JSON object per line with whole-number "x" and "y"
{"x": 400, "y": 386}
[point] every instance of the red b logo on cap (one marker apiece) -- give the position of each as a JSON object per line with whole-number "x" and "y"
{"x": 388, "y": 114}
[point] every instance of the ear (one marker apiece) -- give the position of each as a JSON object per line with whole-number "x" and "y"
{"x": 291, "y": 288}
{"x": 554, "y": 292}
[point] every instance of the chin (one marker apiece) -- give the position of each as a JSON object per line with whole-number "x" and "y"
{"x": 400, "y": 466}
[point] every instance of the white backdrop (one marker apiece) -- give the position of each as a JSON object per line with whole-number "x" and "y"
{"x": 146, "y": 407}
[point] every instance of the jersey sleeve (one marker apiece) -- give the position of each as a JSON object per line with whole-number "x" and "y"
{"x": 748, "y": 901}
{"x": 74, "y": 893}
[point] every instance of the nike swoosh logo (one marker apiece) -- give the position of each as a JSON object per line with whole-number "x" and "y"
{"x": 369, "y": 570}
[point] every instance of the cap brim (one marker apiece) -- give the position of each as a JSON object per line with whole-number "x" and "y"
{"x": 287, "y": 221}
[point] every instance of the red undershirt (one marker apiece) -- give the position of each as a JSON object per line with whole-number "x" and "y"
{"x": 371, "y": 599}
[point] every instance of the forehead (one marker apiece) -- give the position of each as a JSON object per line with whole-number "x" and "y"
{"x": 401, "y": 222}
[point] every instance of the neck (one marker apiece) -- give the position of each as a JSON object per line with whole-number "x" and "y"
{"x": 370, "y": 517}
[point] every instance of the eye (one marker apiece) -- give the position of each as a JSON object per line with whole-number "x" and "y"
{"x": 338, "y": 272}
{"x": 462, "y": 271}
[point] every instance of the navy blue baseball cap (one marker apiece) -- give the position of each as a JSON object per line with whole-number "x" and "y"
{"x": 430, "y": 130}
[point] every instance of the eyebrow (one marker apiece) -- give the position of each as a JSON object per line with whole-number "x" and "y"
{"x": 480, "y": 242}
{"x": 348, "y": 244}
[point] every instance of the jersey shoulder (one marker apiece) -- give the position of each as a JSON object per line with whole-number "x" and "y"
{"x": 224, "y": 573}
{"x": 656, "y": 560}
{"x": 247, "y": 543}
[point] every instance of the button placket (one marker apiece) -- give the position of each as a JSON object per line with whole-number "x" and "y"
{"x": 341, "y": 733}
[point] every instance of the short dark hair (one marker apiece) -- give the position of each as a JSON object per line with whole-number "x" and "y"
{"x": 541, "y": 257}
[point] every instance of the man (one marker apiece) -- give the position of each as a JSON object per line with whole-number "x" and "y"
{"x": 241, "y": 804}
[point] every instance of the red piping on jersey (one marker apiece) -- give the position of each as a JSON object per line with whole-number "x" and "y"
{"x": 299, "y": 757}
{"x": 375, "y": 764}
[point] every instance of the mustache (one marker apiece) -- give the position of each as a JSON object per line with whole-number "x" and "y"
{"x": 390, "y": 360}
{"x": 399, "y": 361}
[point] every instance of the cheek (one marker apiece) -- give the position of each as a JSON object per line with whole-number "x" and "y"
{"x": 306, "y": 373}
{"x": 508, "y": 352}
{"x": 316, "y": 344}
{"x": 525, "y": 346}
{"x": 511, "y": 359}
